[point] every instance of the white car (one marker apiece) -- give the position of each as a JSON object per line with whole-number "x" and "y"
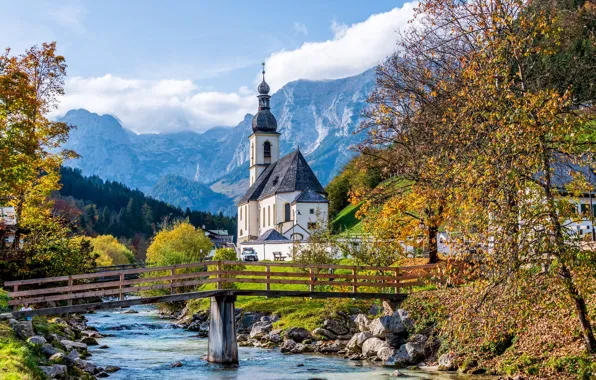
{"x": 249, "y": 254}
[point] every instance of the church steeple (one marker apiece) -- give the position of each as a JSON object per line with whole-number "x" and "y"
{"x": 264, "y": 121}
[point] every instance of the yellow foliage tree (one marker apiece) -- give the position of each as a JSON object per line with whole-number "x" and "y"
{"x": 110, "y": 251}
{"x": 181, "y": 244}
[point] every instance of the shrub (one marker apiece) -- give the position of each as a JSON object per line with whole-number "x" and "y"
{"x": 110, "y": 251}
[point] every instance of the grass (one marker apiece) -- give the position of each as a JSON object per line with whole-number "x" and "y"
{"x": 4, "y": 301}
{"x": 346, "y": 221}
{"x": 17, "y": 361}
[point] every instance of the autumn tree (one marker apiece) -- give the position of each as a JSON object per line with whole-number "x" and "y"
{"x": 182, "y": 243}
{"x": 505, "y": 140}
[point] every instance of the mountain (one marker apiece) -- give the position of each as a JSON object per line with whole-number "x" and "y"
{"x": 318, "y": 116}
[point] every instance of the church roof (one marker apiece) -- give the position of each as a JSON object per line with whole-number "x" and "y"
{"x": 290, "y": 173}
{"x": 310, "y": 196}
{"x": 269, "y": 236}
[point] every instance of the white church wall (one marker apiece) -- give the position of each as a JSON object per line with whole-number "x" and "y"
{"x": 267, "y": 206}
{"x": 307, "y": 213}
{"x": 253, "y": 220}
{"x": 265, "y": 251}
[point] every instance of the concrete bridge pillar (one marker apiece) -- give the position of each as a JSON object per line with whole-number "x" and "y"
{"x": 223, "y": 347}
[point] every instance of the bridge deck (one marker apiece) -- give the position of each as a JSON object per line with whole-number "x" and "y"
{"x": 273, "y": 280}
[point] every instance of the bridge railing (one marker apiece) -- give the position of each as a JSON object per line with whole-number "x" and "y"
{"x": 267, "y": 275}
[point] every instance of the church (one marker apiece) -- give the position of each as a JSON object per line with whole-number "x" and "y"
{"x": 285, "y": 201}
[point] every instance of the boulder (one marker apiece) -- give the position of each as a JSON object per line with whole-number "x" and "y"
{"x": 69, "y": 345}
{"x": 287, "y": 346}
{"x": 241, "y": 338}
{"x": 56, "y": 371}
{"x": 36, "y": 341}
{"x": 362, "y": 322}
{"x": 356, "y": 342}
{"x": 176, "y": 365}
{"x": 324, "y": 332}
{"x": 395, "y": 340}
{"x": 102, "y": 374}
{"x": 405, "y": 318}
{"x": 382, "y": 326}
{"x": 89, "y": 341}
{"x": 260, "y": 329}
{"x": 371, "y": 346}
{"x": 87, "y": 366}
{"x": 72, "y": 356}
{"x": 409, "y": 353}
{"x": 385, "y": 353}
{"x": 299, "y": 348}
{"x": 396, "y": 373}
{"x": 129, "y": 311}
{"x": 91, "y": 334}
{"x": 332, "y": 348}
{"x": 112, "y": 369}
{"x": 336, "y": 326}
{"x": 298, "y": 334}
{"x": 58, "y": 358}
{"x": 269, "y": 318}
{"x": 245, "y": 321}
{"x": 22, "y": 329}
{"x": 48, "y": 350}
{"x": 274, "y": 338}
{"x": 447, "y": 362}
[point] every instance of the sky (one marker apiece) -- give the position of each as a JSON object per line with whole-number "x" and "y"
{"x": 165, "y": 66}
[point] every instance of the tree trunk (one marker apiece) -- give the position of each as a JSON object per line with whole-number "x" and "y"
{"x": 580, "y": 308}
{"x": 433, "y": 252}
{"x": 564, "y": 272}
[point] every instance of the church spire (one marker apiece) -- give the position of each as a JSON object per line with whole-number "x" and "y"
{"x": 264, "y": 121}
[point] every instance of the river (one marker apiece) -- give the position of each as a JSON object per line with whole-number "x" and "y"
{"x": 145, "y": 346}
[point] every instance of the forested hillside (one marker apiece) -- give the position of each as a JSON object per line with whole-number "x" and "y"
{"x": 106, "y": 207}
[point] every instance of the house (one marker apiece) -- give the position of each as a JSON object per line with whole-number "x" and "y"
{"x": 8, "y": 225}
{"x": 284, "y": 196}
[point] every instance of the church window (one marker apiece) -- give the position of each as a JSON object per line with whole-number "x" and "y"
{"x": 268, "y": 215}
{"x": 312, "y": 226}
{"x": 274, "y": 215}
{"x": 241, "y": 213}
{"x": 297, "y": 236}
{"x": 312, "y": 211}
{"x": 287, "y": 216}
{"x": 263, "y": 216}
{"x": 246, "y": 219}
{"x": 267, "y": 152}
{"x": 241, "y": 233}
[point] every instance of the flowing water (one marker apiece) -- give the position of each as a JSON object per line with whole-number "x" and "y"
{"x": 145, "y": 347}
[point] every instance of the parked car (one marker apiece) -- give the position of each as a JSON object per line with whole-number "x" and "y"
{"x": 249, "y": 254}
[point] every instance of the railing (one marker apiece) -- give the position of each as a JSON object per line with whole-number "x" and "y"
{"x": 335, "y": 278}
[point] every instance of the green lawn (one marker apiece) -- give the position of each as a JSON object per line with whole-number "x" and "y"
{"x": 17, "y": 361}
{"x": 346, "y": 221}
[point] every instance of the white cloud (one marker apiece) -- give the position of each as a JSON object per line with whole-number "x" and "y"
{"x": 300, "y": 28}
{"x": 70, "y": 16}
{"x": 353, "y": 49}
{"x": 148, "y": 106}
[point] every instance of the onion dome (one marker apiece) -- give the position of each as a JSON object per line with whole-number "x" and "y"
{"x": 264, "y": 121}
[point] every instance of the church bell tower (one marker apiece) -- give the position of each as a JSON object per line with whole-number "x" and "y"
{"x": 264, "y": 141}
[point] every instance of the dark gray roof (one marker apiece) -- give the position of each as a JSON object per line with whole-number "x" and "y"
{"x": 264, "y": 121}
{"x": 310, "y": 196}
{"x": 288, "y": 174}
{"x": 269, "y": 236}
{"x": 565, "y": 170}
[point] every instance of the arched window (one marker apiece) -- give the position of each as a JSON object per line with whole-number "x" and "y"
{"x": 268, "y": 215}
{"x": 287, "y": 215}
{"x": 246, "y": 219}
{"x": 240, "y": 213}
{"x": 263, "y": 216}
{"x": 267, "y": 152}
{"x": 297, "y": 236}
{"x": 241, "y": 233}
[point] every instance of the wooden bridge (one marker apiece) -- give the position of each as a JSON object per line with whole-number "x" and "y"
{"x": 222, "y": 281}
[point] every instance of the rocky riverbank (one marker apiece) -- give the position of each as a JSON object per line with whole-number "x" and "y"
{"x": 383, "y": 337}
{"x": 62, "y": 346}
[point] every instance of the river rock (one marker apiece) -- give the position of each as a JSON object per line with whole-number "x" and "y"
{"x": 112, "y": 369}
{"x": 356, "y": 342}
{"x": 72, "y": 355}
{"x": 409, "y": 353}
{"x": 382, "y": 326}
{"x": 371, "y": 346}
{"x": 245, "y": 321}
{"x": 260, "y": 329}
{"x": 176, "y": 365}
{"x": 91, "y": 333}
{"x": 129, "y": 311}
{"x": 89, "y": 341}
{"x": 241, "y": 338}
{"x": 336, "y": 326}
{"x": 269, "y": 318}
{"x": 405, "y": 318}
{"x": 298, "y": 334}
{"x": 48, "y": 350}
{"x": 385, "y": 353}
{"x": 362, "y": 322}
{"x": 69, "y": 345}
{"x": 395, "y": 340}
{"x": 287, "y": 346}
{"x": 36, "y": 341}
{"x": 324, "y": 332}
{"x": 56, "y": 371}
{"x": 22, "y": 329}
{"x": 87, "y": 366}
{"x": 333, "y": 348}
{"x": 396, "y": 373}
{"x": 57, "y": 358}
{"x": 447, "y": 362}
{"x": 273, "y": 338}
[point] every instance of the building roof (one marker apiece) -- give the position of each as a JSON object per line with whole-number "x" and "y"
{"x": 564, "y": 172}
{"x": 269, "y": 236}
{"x": 310, "y": 196}
{"x": 264, "y": 121}
{"x": 290, "y": 173}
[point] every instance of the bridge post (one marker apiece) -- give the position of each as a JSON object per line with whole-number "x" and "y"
{"x": 222, "y": 346}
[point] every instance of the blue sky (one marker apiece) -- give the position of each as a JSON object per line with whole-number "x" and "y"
{"x": 163, "y": 66}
